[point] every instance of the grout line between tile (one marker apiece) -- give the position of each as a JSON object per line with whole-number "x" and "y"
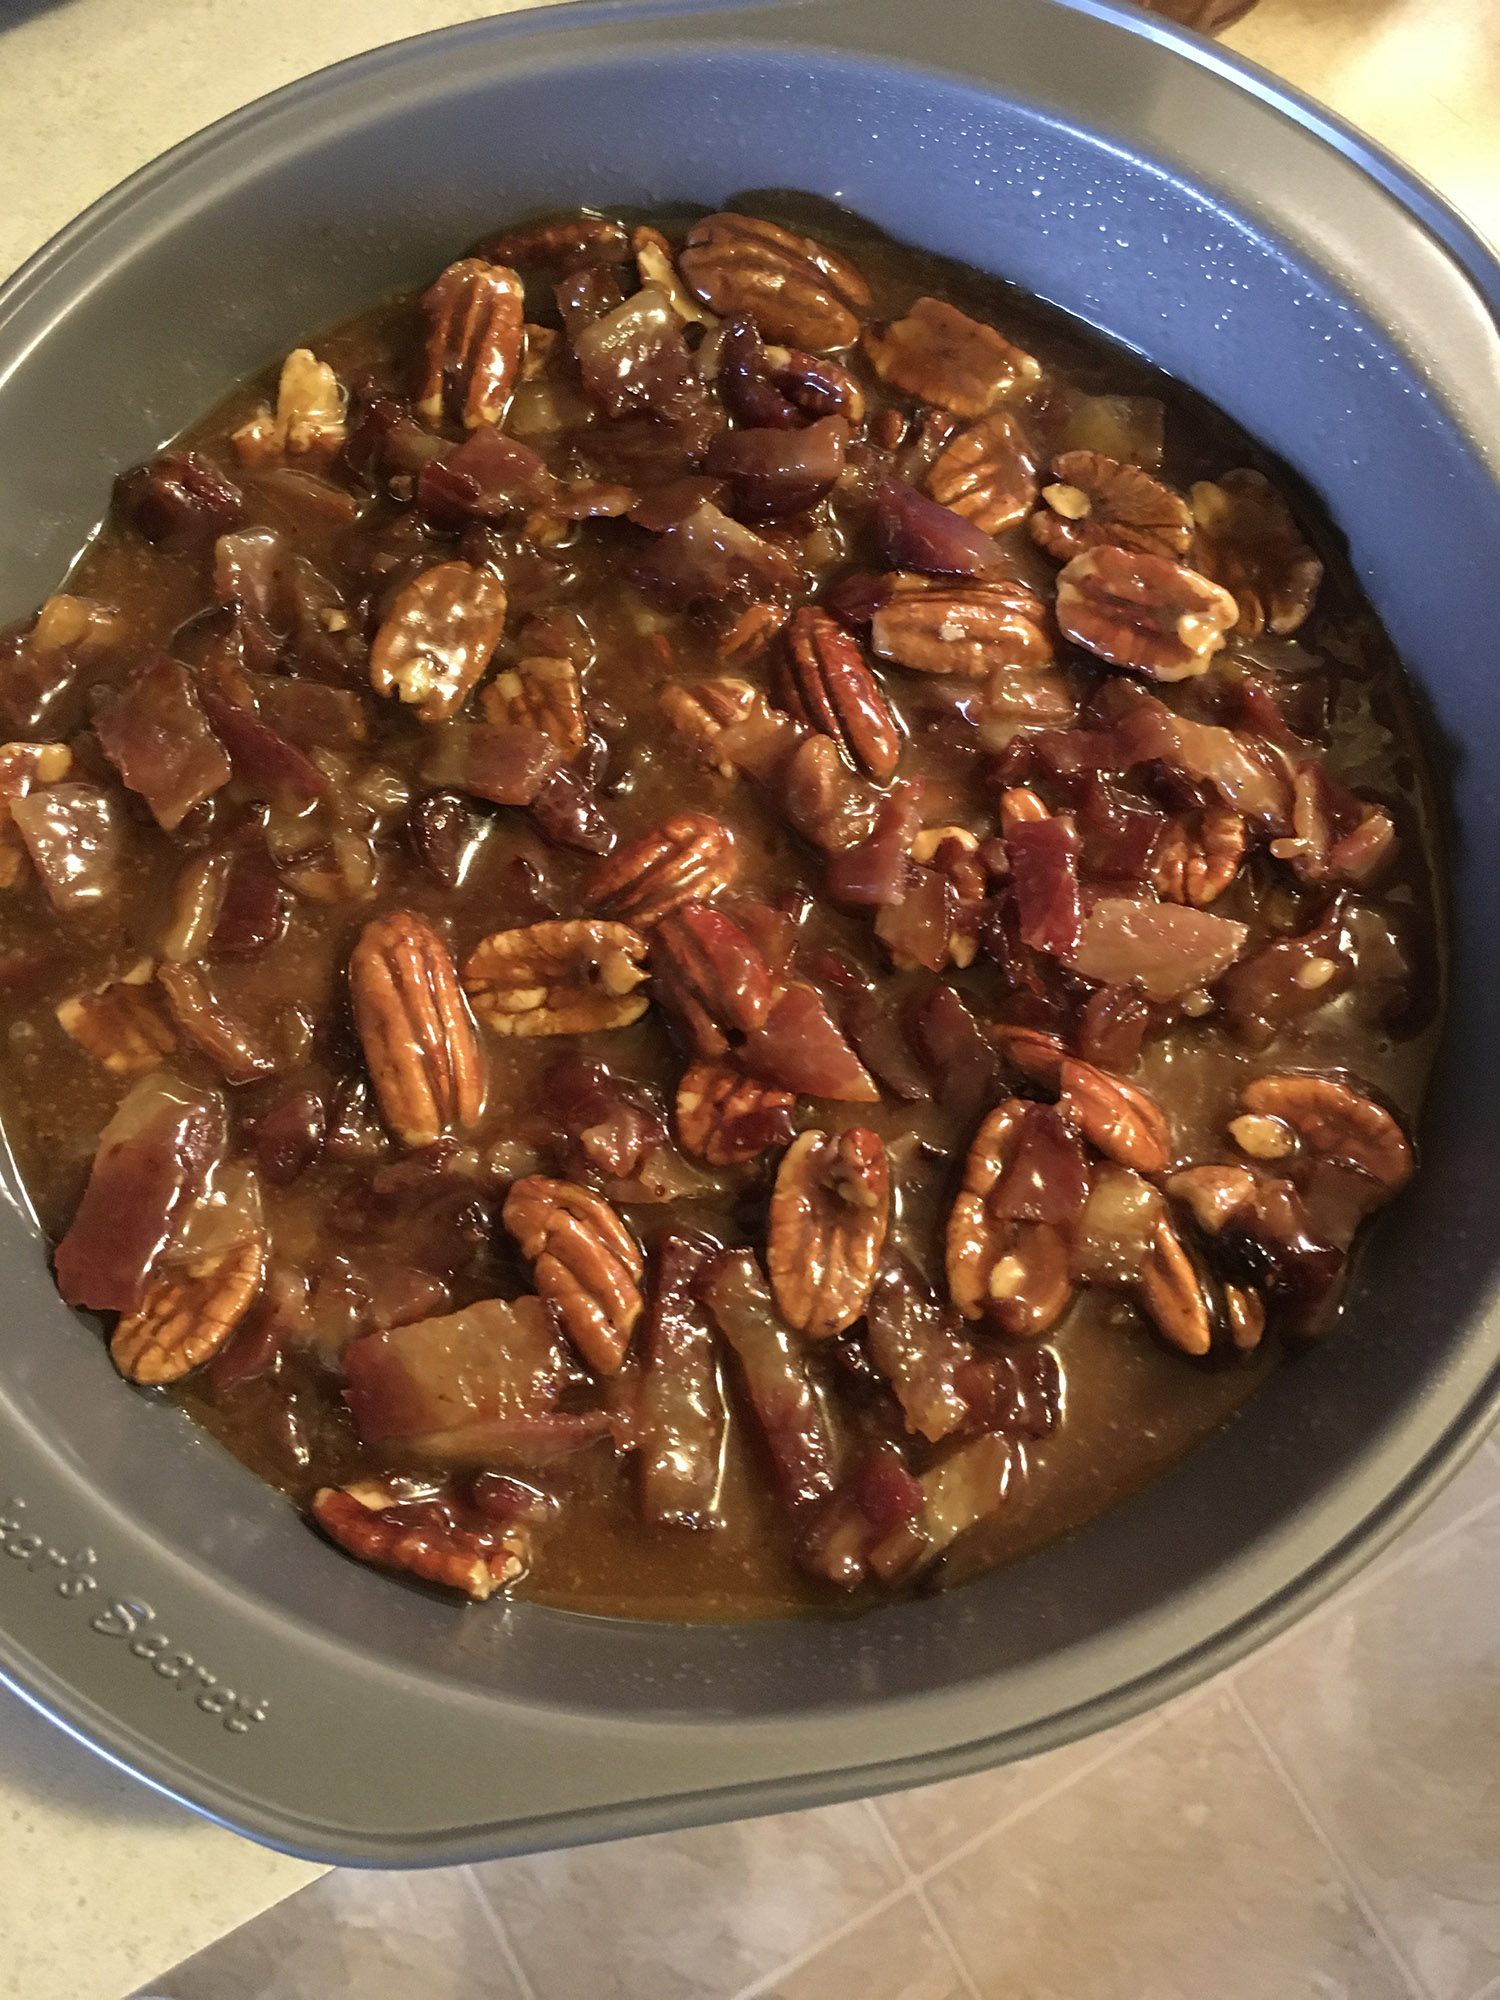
{"x": 764, "y": 1981}
{"x": 1283, "y": 1773}
{"x": 502, "y": 1935}
{"x": 924, "y": 1902}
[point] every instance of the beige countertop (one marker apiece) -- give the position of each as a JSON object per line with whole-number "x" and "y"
{"x": 106, "y": 1884}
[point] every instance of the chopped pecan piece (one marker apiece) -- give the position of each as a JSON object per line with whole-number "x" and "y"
{"x": 834, "y": 691}
{"x": 747, "y": 638}
{"x": 23, "y": 766}
{"x": 1172, "y": 1292}
{"x": 973, "y": 629}
{"x": 829, "y": 1213}
{"x": 987, "y": 474}
{"x": 436, "y": 640}
{"x": 1012, "y": 1269}
{"x": 425, "y": 1540}
{"x": 1336, "y": 1121}
{"x": 123, "y": 1025}
{"x": 1096, "y": 499}
{"x": 309, "y": 417}
{"x": 1248, "y": 541}
{"x": 712, "y": 975}
{"x": 189, "y": 1311}
{"x": 1245, "y": 1312}
{"x": 726, "y": 1117}
{"x": 1199, "y": 857}
{"x": 476, "y": 316}
{"x": 540, "y": 693}
{"x": 653, "y": 261}
{"x": 570, "y": 978}
{"x": 1143, "y": 611}
{"x": 212, "y": 1026}
{"x": 940, "y": 354}
{"x": 419, "y": 1039}
{"x": 732, "y": 727}
{"x": 790, "y": 286}
{"x": 688, "y": 858}
{"x": 585, "y": 1263}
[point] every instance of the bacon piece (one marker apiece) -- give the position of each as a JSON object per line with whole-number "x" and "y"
{"x": 156, "y": 735}
{"x": 959, "y": 1492}
{"x": 1043, "y": 856}
{"x": 507, "y": 762}
{"x": 880, "y": 1499}
{"x": 154, "y": 1157}
{"x": 1164, "y": 950}
{"x": 681, "y": 1410}
{"x": 799, "y": 1048}
{"x": 917, "y": 1344}
{"x": 787, "y": 1400}
{"x": 75, "y": 837}
{"x": 917, "y": 534}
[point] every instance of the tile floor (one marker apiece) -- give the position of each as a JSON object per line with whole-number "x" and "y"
{"x": 1320, "y": 1823}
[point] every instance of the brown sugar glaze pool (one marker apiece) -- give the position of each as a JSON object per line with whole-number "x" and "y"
{"x": 363, "y": 1233}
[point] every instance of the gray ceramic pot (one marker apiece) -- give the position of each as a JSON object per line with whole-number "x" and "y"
{"x": 157, "y": 1599}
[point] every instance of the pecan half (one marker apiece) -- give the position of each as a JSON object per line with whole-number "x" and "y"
{"x": 830, "y": 1210}
{"x": 212, "y": 1026}
{"x": 541, "y": 693}
{"x": 791, "y": 286}
{"x": 1199, "y": 857}
{"x": 1143, "y": 611}
{"x": 419, "y": 1039}
{"x": 1095, "y": 499}
{"x": 1245, "y": 1312}
{"x": 725, "y": 1117}
{"x": 436, "y": 640}
{"x": 688, "y": 858}
{"x": 732, "y": 726}
{"x": 1338, "y": 1122}
{"x": 189, "y": 1311}
{"x": 566, "y": 242}
{"x": 748, "y": 637}
{"x": 1172, "y": 1293}
{"x": 1007, "y": 1269}
{"x": 972, "y": 629}
{"x": 1248, "y": 541}
{"x": 570, "y": 978}
{"x": 123, "y": 1025}
{"x": 987, "y": 474}
{"x": 1117, "y": 1118}
{"x": 476, "y": 319}
{"x": 585, "y": 1263}
{"x": 831, "y": 689}
{"x": 712, "y": 975}
{"x": 940, "y": 354}
{"x": 369, "y": 1522}
{"x": 308, "y": 420}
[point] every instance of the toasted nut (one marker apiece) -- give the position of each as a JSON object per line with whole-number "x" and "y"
{"x": 543, "y": 694}
{"x": 213, "y": 1027}
{"x": 1262, "y": 1138}
{"x": 975, "y": 629}
{"x": 585, "y": 1262}
{"x": 1171, "y": 1292}
{"x": 829, "y": 1213}
{"x": 1214, "y": 1196}
{"x": 747, "y": 638}
{"x": 653, "y": 262}
{"x": 791, "y": 287}
{"x": 1035, "y": 1054}
{"x": 1248, "y": 541}
{"x": 309, "y": 415}
{"x": 940, "y": 354}
{"x": 816, "y": 384}
{"x": 1246, "y": 1314}
{"x": 987, "y": 474}
{"x": 1018, "y": 805}
{"x": 711, "y": 974}
{"x": 724, "y": 1117}
{"x": 476, "y": 318}
{"x": 565, "y": 242}
{"x": 1199, "y": 858}
{"x": 1117, "y": 1118}
{"x": 369, "y": 1524}
{"x": 732, "y": 727}
{"x": 688, "y": 858}
{"x": 1099, "y": 500}
{"x": 570, "y": 978}
{"x": 24, "y": 766}
{"x": 1015, "y": 1273}
{"x": 831, "y": 689}
{"x": 436, "y": 640}
{"x": 123, "y": 1025}
{"x": 1336, "y": 1121}
{"x": 1143, "y": 611}
{"x": 189, "y": 1311}
{"x": 419, "y": 1040}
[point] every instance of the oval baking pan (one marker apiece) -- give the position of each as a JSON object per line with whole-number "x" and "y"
{"x": 159, "y": 1601}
